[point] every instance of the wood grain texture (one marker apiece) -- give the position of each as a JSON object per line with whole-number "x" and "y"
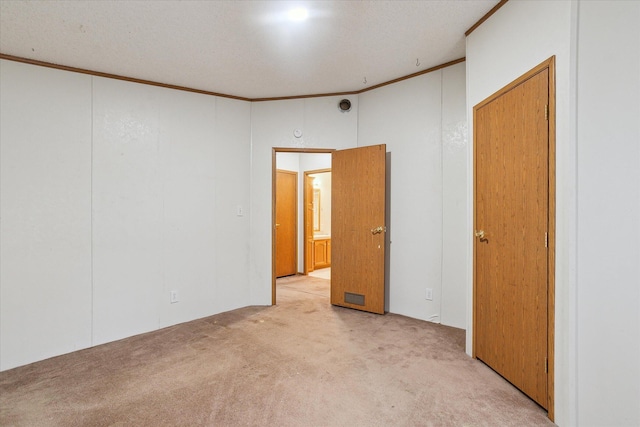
{"x": 357, "y": 207}
{"x": 286, "y": 223}
{"x": 322, "y": 253}
{"x": 512, "y": 207}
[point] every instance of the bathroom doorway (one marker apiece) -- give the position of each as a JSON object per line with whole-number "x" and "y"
{"x": 317, "y": 222}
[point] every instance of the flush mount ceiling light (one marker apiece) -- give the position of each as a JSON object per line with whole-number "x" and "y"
{"x": 298, "y": 14}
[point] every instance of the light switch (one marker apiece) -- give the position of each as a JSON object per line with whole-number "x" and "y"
{"x": 173, "y": 297}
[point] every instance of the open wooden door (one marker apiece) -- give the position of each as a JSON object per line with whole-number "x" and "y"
{"x": 358, "y": 228}
{"x": 512, "y": 223}
{"x": 286, "y": 223}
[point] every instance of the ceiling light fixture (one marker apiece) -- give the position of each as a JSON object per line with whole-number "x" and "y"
{"x": 298, "y": 14}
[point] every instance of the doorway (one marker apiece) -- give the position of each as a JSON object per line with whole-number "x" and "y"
{"x": 317, "y": 222}
{"x": 358, "y": 210}
{"x": 514, "y": 222}
{"x": 299, "y": 161}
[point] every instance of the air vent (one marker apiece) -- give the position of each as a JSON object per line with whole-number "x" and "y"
{"x": 356, "y": 299}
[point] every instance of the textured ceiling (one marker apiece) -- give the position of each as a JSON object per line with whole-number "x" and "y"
{"x": 243, "y": 48}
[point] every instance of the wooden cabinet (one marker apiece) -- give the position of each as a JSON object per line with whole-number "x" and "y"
{"x": 321, "y": 253}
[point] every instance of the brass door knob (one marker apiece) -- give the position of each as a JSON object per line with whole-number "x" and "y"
{"x": 377, "y": 230}
{"x": 480, "y": 234}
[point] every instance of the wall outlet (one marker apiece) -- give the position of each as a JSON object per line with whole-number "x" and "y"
{"x": 173, "y": 297}
{"x": 429, "y": 294}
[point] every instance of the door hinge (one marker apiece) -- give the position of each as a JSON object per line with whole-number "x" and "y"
{"x": 546, "y": 112}
{"x": 546, "y": 240}
{"x": 546, "y": 365}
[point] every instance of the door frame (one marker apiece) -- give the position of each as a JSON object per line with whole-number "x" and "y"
{"x": 274, "y": 152}
{"x": 550, "y": 65}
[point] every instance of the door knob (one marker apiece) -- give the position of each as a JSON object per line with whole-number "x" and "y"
{"x": 480, "y": 234}
{"x": 377, "y": 230}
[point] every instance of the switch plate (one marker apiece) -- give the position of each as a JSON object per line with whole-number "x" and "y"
{"x": 429, "y": 294}
{"x": 173, "y": 297}
{"x": 239, "y": 210}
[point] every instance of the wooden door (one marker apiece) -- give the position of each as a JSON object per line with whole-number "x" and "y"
{"x": 511, "y": 223}
{"x": 286, "y": 223}
{"x": 358, "y": 228}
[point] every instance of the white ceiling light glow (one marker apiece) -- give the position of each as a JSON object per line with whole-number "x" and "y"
{"x": 298, "y": 14}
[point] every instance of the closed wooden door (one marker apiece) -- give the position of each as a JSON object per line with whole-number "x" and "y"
{"x": 358, "y": 228}
{"x": 511, "y": 226}
{"x": 286, "y": 223}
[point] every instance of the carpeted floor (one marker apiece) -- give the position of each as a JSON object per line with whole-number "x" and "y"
{"x": 300, "y": 363}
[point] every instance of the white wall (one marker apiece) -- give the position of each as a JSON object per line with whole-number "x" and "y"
{"x": 455, "y": 211}
{"x": 113, "y": 194}
{"x": 407, "y": 117}
{"x": 315, "y": 161}
{"x": 288, "y": 161}
{"x": 167, "y": 171}
{"x": 45, "y": 207}
{"x": 162, "y": 191}
{"x": 232, "y": 165}
{"x": 416, "y": 118}
{"x": 608, "y": 217}
{"x": 597, "y": 184}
